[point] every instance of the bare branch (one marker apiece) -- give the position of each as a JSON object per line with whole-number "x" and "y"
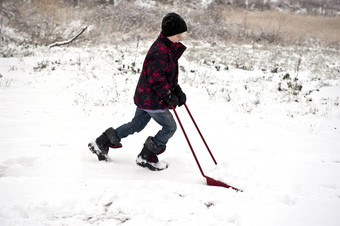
{"x": 68, "y": 41}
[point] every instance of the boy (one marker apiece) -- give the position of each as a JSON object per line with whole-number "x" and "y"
{"x": 157, "y": 90}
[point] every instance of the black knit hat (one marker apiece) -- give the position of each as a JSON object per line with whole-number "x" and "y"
{"x": 173, "y": 24}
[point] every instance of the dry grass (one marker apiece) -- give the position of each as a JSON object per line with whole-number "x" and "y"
{"x": 292, "y": 26}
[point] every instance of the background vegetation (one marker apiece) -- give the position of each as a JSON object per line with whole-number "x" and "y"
{"x": 301, "y": 22}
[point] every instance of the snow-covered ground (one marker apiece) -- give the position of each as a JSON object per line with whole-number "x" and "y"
{"x": 280, "y": 146}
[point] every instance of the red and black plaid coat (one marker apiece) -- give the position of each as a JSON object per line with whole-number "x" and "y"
{"x": 159, "y": 75}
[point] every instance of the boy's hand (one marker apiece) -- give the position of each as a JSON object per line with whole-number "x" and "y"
{"x": 173, "y": 101}
{"x": 182, "y": 98}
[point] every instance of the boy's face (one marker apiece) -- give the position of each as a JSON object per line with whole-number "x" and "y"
{"x": 176, "y": 38}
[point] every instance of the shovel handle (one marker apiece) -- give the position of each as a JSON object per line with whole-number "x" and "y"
{"x": 186, "y": 137}
{"x": 198, "y": 130}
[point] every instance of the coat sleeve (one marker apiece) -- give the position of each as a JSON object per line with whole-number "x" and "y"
{"x": 157, "y": 71}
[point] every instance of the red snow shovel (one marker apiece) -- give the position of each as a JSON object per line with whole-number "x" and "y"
{"x": 210, "y": 181}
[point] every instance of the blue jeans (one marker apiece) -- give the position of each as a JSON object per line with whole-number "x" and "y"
{"x": 142, "y": 118}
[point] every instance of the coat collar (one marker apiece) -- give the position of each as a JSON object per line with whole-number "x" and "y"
{"x": 177, "y": 49}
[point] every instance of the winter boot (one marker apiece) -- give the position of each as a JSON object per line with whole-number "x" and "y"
{"x": 101, "y": 145}
{"x": 114, "y": 140}
{"x": 148, "y": 156}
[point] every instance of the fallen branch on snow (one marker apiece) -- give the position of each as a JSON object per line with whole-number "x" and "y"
{"x": 68, "y": 41}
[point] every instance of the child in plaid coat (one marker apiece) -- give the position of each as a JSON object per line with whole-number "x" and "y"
{"x": 157, "y": 90}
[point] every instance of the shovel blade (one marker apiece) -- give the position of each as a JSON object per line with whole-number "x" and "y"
{"x": 213, "y": 182}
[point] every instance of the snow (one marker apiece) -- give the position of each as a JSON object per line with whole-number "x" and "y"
{"x": 281, "y": 149}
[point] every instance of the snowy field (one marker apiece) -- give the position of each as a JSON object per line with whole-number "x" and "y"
{"x": 272, "y": 123}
